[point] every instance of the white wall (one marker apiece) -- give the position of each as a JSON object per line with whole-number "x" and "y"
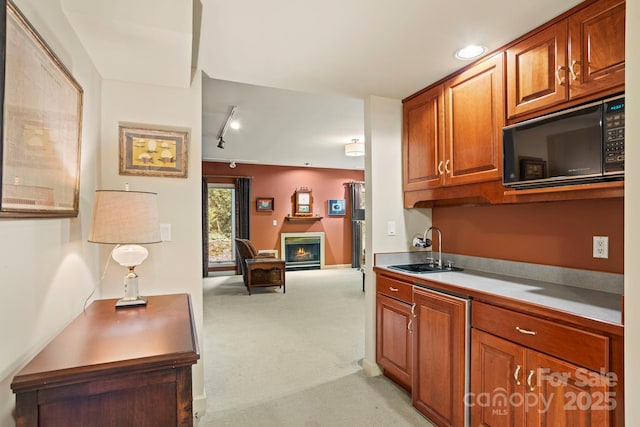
{"x": 632, "y": 221}
{"x": 383, "y": 132}
{"x": 175, "y": 266}
{"x": 47, "y": 267}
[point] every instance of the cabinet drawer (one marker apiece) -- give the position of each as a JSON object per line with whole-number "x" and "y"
{"x": 574, "y": 345}
{"x": 394, "y": 288}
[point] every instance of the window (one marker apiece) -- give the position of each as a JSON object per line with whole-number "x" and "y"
{"x": 222, "y": 224}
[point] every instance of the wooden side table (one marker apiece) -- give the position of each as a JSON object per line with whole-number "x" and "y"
{"x": 124, "y": 367}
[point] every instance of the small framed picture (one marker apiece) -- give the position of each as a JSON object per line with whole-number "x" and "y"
{"x": 153, "y": 152}
{"x": 336, "y": 207}
{"x": 264, "y": 204}
{"x": 532, "y": 168}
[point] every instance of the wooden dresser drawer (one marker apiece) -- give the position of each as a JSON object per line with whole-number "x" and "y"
{"x": 394, "y": 288}
{"x": 571, "y": 344}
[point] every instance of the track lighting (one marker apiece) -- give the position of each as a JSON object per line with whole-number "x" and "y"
{"x": 226, "y": 124}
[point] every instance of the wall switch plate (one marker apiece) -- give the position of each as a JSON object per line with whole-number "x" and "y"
{"x": 165, "y": 232}
{"x": 275, "y": 222}
{"x": 391, "y": 228}
{"x": 601, "y": 246}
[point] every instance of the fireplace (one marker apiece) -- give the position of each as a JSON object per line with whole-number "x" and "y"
{"x": 302, "y": 251}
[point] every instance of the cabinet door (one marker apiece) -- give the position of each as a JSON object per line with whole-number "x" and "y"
{"x": 596, "y": 51}
{"x": 563, "y": 394}
{"x": 498, "y": 375}
{"x": 393, "y": 342}
{"x": 423, "y": 136}
{"x": 439, "y": 353}
{"x": 537, "y": 75}
{"x": 474, "y": 117}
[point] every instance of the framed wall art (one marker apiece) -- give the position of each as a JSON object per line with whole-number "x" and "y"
{"x": 532, "y": 168}
{"x": 303, "y": 202}
{"x": 337, "y": 207}
{"x": 264, "y": 204}
{"x": 147, "y": 151}
{"x": 41, "y": 121}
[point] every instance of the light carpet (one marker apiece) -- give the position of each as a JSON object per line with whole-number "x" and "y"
{"x": 294, "y": 359}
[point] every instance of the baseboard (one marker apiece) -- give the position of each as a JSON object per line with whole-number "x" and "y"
{"x": 371, "y": 369}
{"x": 199, "y": 407}
{"x": 326, "y": 267}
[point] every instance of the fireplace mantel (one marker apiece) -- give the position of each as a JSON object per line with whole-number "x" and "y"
{"x": 302, "y": 218}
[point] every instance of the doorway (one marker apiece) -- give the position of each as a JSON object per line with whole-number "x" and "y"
{"x": 221, "y": 221}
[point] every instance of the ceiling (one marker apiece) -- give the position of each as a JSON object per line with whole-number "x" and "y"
{"x": 298, "y": 70}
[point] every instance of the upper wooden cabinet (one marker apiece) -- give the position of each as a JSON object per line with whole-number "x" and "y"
{"x": 474, "y": 118}
{"x": 535, "y": 77}
{"x": 581, "y": 56}
{"x": 452, "y": 131}
{"x": 596, "y": 48}
{"x": 423, "y": 139}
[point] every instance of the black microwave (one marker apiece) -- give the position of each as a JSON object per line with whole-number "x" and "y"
{"x": 579, "y": 145}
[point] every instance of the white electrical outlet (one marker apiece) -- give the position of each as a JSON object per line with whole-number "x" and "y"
{"x": 600, "y": 246}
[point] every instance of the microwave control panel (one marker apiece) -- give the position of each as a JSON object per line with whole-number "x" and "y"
{"x": 614, "y": 136}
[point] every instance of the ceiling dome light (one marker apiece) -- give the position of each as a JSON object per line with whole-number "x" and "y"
{"x": 354, "y": 148}
{"x": 470, "y": 52}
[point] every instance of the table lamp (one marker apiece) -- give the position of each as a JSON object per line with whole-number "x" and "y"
{"x": 126, "y": 219}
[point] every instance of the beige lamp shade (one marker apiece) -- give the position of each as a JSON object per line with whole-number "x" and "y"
{"x": 125, "y": 217}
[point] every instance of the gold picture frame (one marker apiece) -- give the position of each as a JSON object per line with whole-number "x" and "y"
{"x": 153, "y": 151}
{"x": 42, "y": 124}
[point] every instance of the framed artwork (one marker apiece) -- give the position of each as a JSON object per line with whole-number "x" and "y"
{"x": 153, "y": 152}
{"x": 264, "y": 204}
{"x": 337, "y": 207}
{"x": 303, "y": 202}
{"x": 532, "y": 168}
{"x": 41, "y": 118}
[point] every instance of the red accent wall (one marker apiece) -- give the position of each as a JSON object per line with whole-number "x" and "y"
{"x": 280, "y": 182}
{"x": 555, "y": 233}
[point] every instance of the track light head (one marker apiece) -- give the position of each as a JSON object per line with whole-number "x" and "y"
{"x": 220, "y": 143}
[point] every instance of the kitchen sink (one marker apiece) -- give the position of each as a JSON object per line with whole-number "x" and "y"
{"x": 424, "y": 268}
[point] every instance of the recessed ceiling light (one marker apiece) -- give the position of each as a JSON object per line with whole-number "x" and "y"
{"x": 470, "y": 52}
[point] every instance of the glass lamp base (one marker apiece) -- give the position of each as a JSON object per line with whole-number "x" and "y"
{"x": 131, "y": 297}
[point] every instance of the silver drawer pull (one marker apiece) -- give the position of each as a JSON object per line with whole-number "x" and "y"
{"x": 524, "y": 331}
{"x": 392, "y": 289}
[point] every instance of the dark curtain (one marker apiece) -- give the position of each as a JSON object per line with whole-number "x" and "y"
{"x": 205, "y": 227}
{"x": 356, "y": 201}
{"x": 243, "y": 210}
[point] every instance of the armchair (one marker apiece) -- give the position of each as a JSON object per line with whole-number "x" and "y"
{"x": 259, "y": 270}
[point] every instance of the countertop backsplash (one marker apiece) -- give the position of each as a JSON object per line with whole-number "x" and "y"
{"x": 587, "y": 279}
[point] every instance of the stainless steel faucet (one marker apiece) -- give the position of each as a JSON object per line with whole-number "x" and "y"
{"x": 424, "y": 242}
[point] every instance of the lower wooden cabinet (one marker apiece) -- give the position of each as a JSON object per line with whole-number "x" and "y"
{"x": 529, "y": 371}
{"x": 439, "y": 354}
{"x": 508, "y": 367}
{"x": 393, "y": 343}
{"x": 512, "y": 385}
{"x": 393, "y": 329}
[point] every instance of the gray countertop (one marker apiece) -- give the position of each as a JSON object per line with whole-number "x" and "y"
{"x": 589, "y": 303}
